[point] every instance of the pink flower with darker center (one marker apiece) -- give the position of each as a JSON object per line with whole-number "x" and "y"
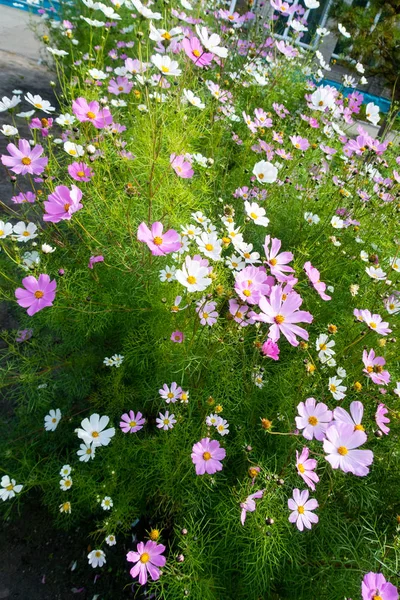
{"x": 313, "y": 418}
{"x": 43, "y": 124}
{"x": 131, "y": 422}
{"x": 305, "y": 467}
{"x": 196, "y": 53}
{"x": 62, "y": 204}
{"x": 374, "y": 368}
{"x": 341, "y": 445}
{"x": 36, "y": 293}
{"x": 90, "y": 111}
{"x": 381, "y": 419}
{"x": 206, "y": 456}
{"x": 159, "y": 243}
{"x": 374, "y": 586}
{"x": 24, "y": 159}
{"x": 80, "y": 171}
{"x": 182, "y": 167}
{"x": 278, "y": 263}
{"x": 177, "y": 337}
{"x": 314, "y": 276}
{"x": 148, "y": 561}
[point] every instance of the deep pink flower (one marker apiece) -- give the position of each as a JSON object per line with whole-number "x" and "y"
{"x": 90, "y": 111}
{"x": 159, "y": 243}
{"x": 36, "y": 293}
{"x": 302, "y": 507}
{"x": 25, "y": 159}
{"x": 148, "y": 560}
{"x": 80, "y": 171}
{"x": 278, "y": 263}
{"x": 270, "y": 349}
{"x": 62, "y": 204}
{"x": 314, "y": 276}
{"x": 95, "y": 259}
{"x": 281, "y": 311}
{"x": 249, "y": 504}
{"x": 196, "y": 53}
{"x": 43, "y": 124}
{"x": 381, "y": 418}
{"x": 121, "y": 85}
{"x": 305, "y": 467}
{"x": 177, "y": 337}
{"x": 182, "y": 167}
{"x": 206, "y": 456}
{"x": 374, "y": 368}
{"x": 340, "y": 445}
{"x": 355, "y": 416}
{"x": 131, "y": 423}
{"x": 24, "y": 197}
{"x": 374, "y": 585}
{"x": 313, "y": 418}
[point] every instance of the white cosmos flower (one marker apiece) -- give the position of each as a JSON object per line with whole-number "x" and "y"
{"x": 52, "y": 419}
{"x": 372, "y": 113}
{"x": 38, "y": 102}
{"x": 311, "y": 3}
{"x": 337, "y": 390}
{"x": 73, "y": 149}
{"x": 47, "y": 249}
{"x": 30, "y": 260}
{"x": 324, "y": 347}
{"x": 166, "y": 65}
{"x": 343, "y": 30}
{"x": 337, "y": 223}
{"x": 256, "y": 213}
{"x": 322, "y": 31}
{"x": 92, "y": 430}
{"x": 5, "y": 229}
{"x": 86, "y": 452}
{"x": 8, "y": 130}
{"x": 265, "y": 172}
{"x": 167, "y": 274}
{"x": 360, "y": 68}
{"x": 189, "y": 96}
{"x": 93, "y": 22}
{"x": 162, "y": 35}
{"x": 96, "y": 558}
{"x": 375, "y": 272}
{"x": 210, "y": 245}
{"x": 65, "y": 120}
{"x": 9, "y": 488}
{"x": 211, "y": 42}
{"x": 65, "y": 470}
{"x": 193, "y": 275}
{"x": 322, "y": 98}
{"x": 24, "y": 232}
{"x": 56, "y": 52}
{"x": 146, "y": 12}
{"x": 7, "y": 103}
{"x": 111, "y": 540}
{"x": 97, "y": 74}
{"x": 311, "y": 219}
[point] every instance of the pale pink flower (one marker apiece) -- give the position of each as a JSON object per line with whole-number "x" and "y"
{"x": 314, "y": 276}
{"x": 182, "y": 167}
{"x": 313, "y": 418}
{"x": 278, "y": 263}
{"x": 341, "y": 445}
{"x": 374, "y": 368}
{"x": 302, "y": 507}
{"x": 305, "y": 467}
{"x": 381, "y": 418}
{"x": 249, "y": 504}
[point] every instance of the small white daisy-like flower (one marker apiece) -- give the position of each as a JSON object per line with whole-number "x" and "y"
{"x": 65, "y": 471}
{"x": 65, "y": 483}
{"x": 107, "y": 503}
{"x": 52, "y": 419}
{"x": 111, "y": 540}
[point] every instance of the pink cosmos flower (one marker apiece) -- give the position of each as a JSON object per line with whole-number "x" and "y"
{"x": 159, "y": 243}
{"x": 305, "y": 467}
{"x": 302, "y": 507}
{"x": 374, "y": 322}
{"x": 95, "y": 259}
{"x": 313, "y": 418}
{"x": 25, "y": 159}
{"x": 24, "y": 335}
{"x": 196, "y": 53}
{"x": 374, "y": 585}
{"x": 24, "y": 197}
{"x": 36, "y": 293}
{"x": 381, "y": 419}
{"x": 206, "y": 456}
{"x": 182, "y": 167}
{"x": 314, "y": 276}
{"x": 43, "y": 124}
{"x": 374, "y": 368}
{"x": 131, "y": 423}
{"x": 121, "y": 85}
{"x": 177, "y": 337}
{"x": 278, "y": 263}
{"x": 340, "y": 445}
{"x": 299, "y": 143}
{"x": 249, "y": 504}
{"x": 270, "y": 349}
{"x": 207, "y": 313}
{"x": 80, "y": 171}
{"x": 90, "y": 111}
{"x": 238, "y": 311}
{"x": 281, "y": 311}
{"x": 171, "y": 394}
{"x": 62, "y": 203}
{"x": 251, "y": 283}
{"x": 354, "y": 418}
{"x": 148, "y": 560}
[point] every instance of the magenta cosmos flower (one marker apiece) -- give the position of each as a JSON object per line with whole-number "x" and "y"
{"x": 80, "y": 171}
{"x": 131, "y": 423}
{"x": 206, "y": 456}
{"x": 340, "y": 445}
{"x": 374, "y": 586}
{"x": 159, "y": 243}
{"x": 313, "y": 419}
{"x": 90, "y": 111}
{"x": 282, "y": 311}
{"x": 314, "y": 276}
{"x": 177, "y": 337}
{"x": 278, "y": 262}
{"x": 270, "y": 349}
{"x": 305, "y": 467}
{"x": 182, "y": 167}
{"x": 95, "y": 259}
{"x": 62, "y": 204}
{"x": 249, "y": 505}
{"x": 301, "y": 508}
{"x": 195, "y": 52}
{"x": 25, "y": 159}
{"x": 374, "y": 368}
{"x": 36, "y": 293}
{"x": 381, "y": 419}
{"x": 148, "y": 560}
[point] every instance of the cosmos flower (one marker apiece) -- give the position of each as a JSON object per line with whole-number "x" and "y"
{"x": 181, "y": 166}
{"x": 24, "y": 159}
{"x": 148, "y": 558}
{"x": 374, "y": 586}
{"x": 90, "y": 112}
{"x": 277, "y": 262}
{"x": 92, "y": 430}
{"x": 265, "y": 172}
{"x": 165, "y": 421}
{"x": 170, "y": 394}
{"x": 302, "y": 508}
{"x": 194, "y": 50}
{"x": 341, "y": 444}
{"x": 131, "y": 422}
{"x": 313, "y": 418}
{"x": 80, "y": 171}
{"x": 305, "y": 467}
{"x": 52, "y": 419}
{"x": 374, "y": 368}
{"x": 374, "y": 321}
{"x": 177, "y": 337}
{"x": 206, "y": 456}
{"x": 354, "y": 418}
{"x": 36, "y": 293}
{"x": 194, "y": 275}
{"x": 95, "y": 259}
{"x": 158, "y": 242}
{"x": 249, "y": 505}
{"x": 96, "y": 558}
{"x": 62, "y": 203}
{"x": 270, "y": 349}
{"x": 314, "y": 276}
{"x": 9, "y": 488}
{"x": 381, "y": 419}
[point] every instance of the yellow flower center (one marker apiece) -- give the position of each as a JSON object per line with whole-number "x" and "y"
{"x": 66, "y": 506}
{"x": 246, "y": 254}
{"x": 54, "y": 420}
{"x": 246, "y": 293}
{"x": 1, "y": 232}
{"x": 38, "y": 294}
{"x": 170, "y": 395}
{"x": 164, "y": 69}
{"x": 196, "y": 53}
{"x": 98, "y": 553}
{"x": 254, "y": 216}
{"x": 132, "y": 423}
{"x": 88, "y": 451}
{"x": 67, "y": 206}
{"x": 205, "y": 315}
{"x": 158, "y": 240}
{"x": 261, "y": 176}
{"x": 10, "y": 487}
{"x": 273, "y": 262}
{"x": 359, "y": 427}
{"x": 209, "y": 247}
{"x": 80, "y": 174}
{"x": 279, "y": 319}
{"x": 95, "y": 434}
{"x": 67, "y": 482}
{"x": 91, "y": 115}
{"x": 145, "y": 558}
{"x": 377, "y": 598}
{"x": 320, "y": 103}
{"x": 38, "y": 105}
{"x": 313, "y": 421}
{"x": 166, "y": 421}
{"x": 191, "y": 280}
{"x": 166, "y": 35}
{"x": 72, "y": 152}
{"x": 206, "y": 455}
{"x": 301, "y": 468}
{"x": 300, "y": 510}
{"x": 332, "y": 387}
{"x": 342, "y": 450}
{"x": 121, "y": 89}
{"x": 373, "y": 325}
{"x": 26, "y": 160}
{"x": 26, "y": 234}
{"x": 322, "y": 346}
